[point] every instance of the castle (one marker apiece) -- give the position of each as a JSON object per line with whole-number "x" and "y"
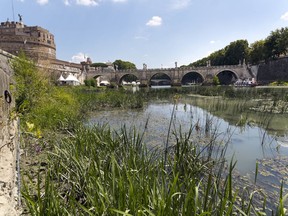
{"x": 39, "y": 45}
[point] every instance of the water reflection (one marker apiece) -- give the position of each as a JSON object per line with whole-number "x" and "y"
{"x": 247, "y": 144}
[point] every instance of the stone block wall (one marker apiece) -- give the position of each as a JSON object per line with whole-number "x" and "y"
{"x": 8, "y": 142}
{"x": 5, "y": 79}
{"x": 273, "y": 71}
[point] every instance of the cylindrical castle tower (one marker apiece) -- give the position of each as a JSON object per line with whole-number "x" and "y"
{"x": 36, "y": 42}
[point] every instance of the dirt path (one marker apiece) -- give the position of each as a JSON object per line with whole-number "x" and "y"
{"x": 8, "y": 188}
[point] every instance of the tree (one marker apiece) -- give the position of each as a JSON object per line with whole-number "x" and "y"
{"x": 99, "y": 64}
{"x": 257, "y": 52}
{"x": 235, "y": 51}
{"x": 275, "y": 45}
{"x": 218, "y": 57}
{"x": 124, "y": 65}
{"x": 230, "y": 55}
{"x": 272, "y": 50}
{"x": 199, "y": 63}
{"x": 282, "y": 41}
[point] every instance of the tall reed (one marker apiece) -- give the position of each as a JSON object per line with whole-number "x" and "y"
{"x": 96, "y": 171}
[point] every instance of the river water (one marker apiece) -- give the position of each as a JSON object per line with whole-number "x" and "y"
{"x": 246, "y": 144}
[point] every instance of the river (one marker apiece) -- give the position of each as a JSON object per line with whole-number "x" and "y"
{"x": 246, "y": 143}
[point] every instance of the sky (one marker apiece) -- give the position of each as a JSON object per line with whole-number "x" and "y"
{"x": 155, "y": 32}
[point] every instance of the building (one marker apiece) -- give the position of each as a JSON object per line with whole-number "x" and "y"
{"x": 37, "y": 43}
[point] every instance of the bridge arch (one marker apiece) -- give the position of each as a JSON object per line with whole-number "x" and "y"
{"x": 192, "y": 77}
{"x": 227, "y": 77}
{"x": 96, "y": 76}
{"x": 128, "y": 78}
{"x": 160, "y": 78}
{"x": 101, "y": 79}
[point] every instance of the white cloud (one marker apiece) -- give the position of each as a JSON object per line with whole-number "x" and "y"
{"x": 67, "y": 2}
{"x": 154, "y": 21}
{"x": 212, "y": 42}
{"x": 79, "y": 57}
{"x": 285, "y": 16}
{"x": 87, "y": 2}
{"x": 42, "y": 2}
{"x": 180, "y": 4}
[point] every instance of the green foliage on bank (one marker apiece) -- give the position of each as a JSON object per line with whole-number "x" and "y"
{"x": 90, "y": 82}
{"x": 230, "y": 55}
{"x": 279, "y": 83}
{"x": 49, "y": 107}
{"x": 270, "y": 48}
{"x": 38, "y": 102}
{"x": 31, "y": 85}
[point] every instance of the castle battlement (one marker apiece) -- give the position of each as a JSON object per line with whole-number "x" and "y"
{"x": 13, "y": 24}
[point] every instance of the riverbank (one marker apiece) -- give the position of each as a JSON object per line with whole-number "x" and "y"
{"x": 100, "y": 171}
{"x": 69, "y": 168}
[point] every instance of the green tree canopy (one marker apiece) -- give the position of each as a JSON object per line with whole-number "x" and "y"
{"x": 124, "y": 65}
{"x": 272, "y": 47}
{"x": 231, "y": 55}
{"x": 236, "y": 51}
{"x": 218, "y": 57}
{"x": 257, "y": 52}
{"x": 277, "y": 43}
{"x": 99, "y": 64}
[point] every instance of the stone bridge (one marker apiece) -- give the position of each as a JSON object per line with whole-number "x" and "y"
{"x": 227, "y": 74}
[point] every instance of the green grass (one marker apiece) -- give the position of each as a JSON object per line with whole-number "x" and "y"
{"x": 97, "y": 172}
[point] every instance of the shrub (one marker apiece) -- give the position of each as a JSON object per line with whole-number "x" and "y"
{"x": 31, "y": 85}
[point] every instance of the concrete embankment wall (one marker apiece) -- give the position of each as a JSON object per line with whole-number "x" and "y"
{"x": 8, "y": 141}
{"x": 273, "y": 71}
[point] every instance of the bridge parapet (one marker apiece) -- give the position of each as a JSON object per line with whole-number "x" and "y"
{"x": 182, "y": 68}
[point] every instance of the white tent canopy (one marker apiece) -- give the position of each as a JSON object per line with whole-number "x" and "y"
{"x": 61, "y": 78}
{"x": 70, "y": 80}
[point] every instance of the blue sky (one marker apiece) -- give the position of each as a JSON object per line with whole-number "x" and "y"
{"x": 156, "y": 32}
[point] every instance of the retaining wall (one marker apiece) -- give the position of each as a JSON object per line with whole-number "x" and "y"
{"x": 276, "y": 70}
{"x": 8, "y": 141}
